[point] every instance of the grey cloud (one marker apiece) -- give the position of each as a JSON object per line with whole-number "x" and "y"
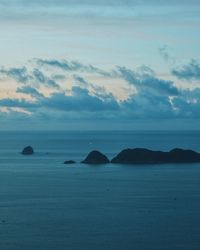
{"x": 83, "y": 105}
{"x": 30, "y": 91}
{"x": 190, "y": 71}
{"x": 72, "y": 66}
{"x": 29, "y": 77}
{"x": 41, "y": 78}
{"x": 146, "y": 81}
{"x": 165, "y": 54}
{"x": 80, "y": 100}
{"x": 80, "y": 80}
{"x": 16, "y": 103}
{"x": 145, "y": 107}
{"x": 154, "y": 97}
{"x": 99, "y": 91}
{"x": 19, "y": 74}
{"x": 188, "y": 104}
{"x": 58, "y": 77}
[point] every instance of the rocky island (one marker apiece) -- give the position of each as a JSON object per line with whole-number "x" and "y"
{"x": 95, "y": 157}
{"x": 136, "y": 156}
{"x": 146, "y": 156}
{"x": 28, "y": 151}
{"x": 69, "y": 162}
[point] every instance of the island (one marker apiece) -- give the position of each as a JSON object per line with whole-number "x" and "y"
{"x": 69, "y": 162}
{"x": 146, "y": 156}
{"x": 96, "y": 157}
{"x": 28, "y": 151}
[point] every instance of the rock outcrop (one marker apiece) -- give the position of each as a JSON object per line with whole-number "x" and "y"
{"x": 145, "y": 156}
{"x": 28, "y": 150}
{"x": 96, "y": 157}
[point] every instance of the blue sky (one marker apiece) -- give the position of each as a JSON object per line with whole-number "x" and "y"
{"x": 99, "y": 64}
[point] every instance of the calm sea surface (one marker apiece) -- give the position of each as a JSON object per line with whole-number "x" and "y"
{"x": 46, "y": 205}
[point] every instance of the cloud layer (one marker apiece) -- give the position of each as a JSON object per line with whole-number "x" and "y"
{"x": 63, "y": 90}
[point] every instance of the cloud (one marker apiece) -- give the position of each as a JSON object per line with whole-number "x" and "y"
{"x": 16, "y": 113}
{"x": 30, "y": 91}
{"x": 80, "y": 100}
{"x": 18, "y": 103}
{"x": 80, "y": 80}
{"x": 58, "y": 14}
{"x": 72, "y": 66}
{"x": 19, "y": 74}
{"x": 27, "y": 76}
{"x": 99, "y": 91}
{"x": 39, "y": 77}
{"x": 145, "y": 106}
{"x": 164, "y": 52}
{"x": 190, "y": 71}
{"x": 188, "y": 104}
{"x": 145, "y": 80}
{"x": 152, "y": 98}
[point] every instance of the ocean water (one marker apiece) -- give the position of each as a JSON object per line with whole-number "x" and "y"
{"x": 46, "y": 205}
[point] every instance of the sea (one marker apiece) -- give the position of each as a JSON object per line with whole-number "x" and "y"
{"x": 47, "y": 205}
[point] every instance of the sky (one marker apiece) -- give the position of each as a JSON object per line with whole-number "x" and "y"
{"x": 96, "y": 64}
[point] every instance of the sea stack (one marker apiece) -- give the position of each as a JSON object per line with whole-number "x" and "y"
{"x": 96, "y": 157}
{"x": 28, "y": 151}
